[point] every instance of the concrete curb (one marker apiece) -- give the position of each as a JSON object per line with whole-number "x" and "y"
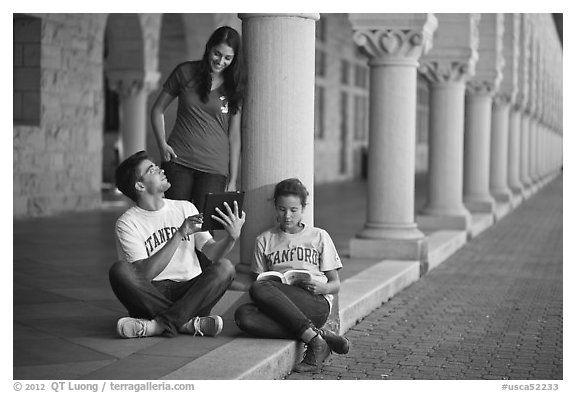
{"x": 256, "y": 358}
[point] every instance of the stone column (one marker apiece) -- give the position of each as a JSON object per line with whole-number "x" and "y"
{"x": 525, "y": 91}
{"x": 278, "y": 116}
{"x": 393, "y": 44}
{"x": 133, "y": 88}
{"x": 447, "y": 67}
{"x": 540, "y": 94}
{"x": 478, "y": 115}
{"x": 515, "y": 59}
{"x": 502, "y": 136}
{"x": 535, "y": 110}
{"x": 477, "y": 121}
{"x": 499, "y": 150}
{"x": 514, "y": 152}
{"x": 524, "y": 152}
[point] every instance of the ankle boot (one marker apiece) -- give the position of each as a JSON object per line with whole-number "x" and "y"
{"x": 317, "y": 350}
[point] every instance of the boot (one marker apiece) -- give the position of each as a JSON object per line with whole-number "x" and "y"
{"x": 317, "y": 350}
{"x": 338, "y": 344}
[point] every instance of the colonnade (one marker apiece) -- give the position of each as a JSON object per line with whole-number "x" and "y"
{"x": 495, "y": 119}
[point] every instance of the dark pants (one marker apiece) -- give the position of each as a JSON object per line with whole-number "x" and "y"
{"x": 169, "y": 302}
{"x": 281, "y": 311}
{"x": 188, "y": 184}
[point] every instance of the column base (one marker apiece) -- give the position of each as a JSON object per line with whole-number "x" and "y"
{"x": 502, "y": 208}
{"x": 444, "y": 222}
{"x": 527, "y": 191}
{"x": 516, "y": 190}
{"x": 479, "y": 206}
{"x": 393, "y": 232}
{"x": 390, "y": 249}
{"x": 480, "y": 222}
{"x": 502, "y": 196}
{"x": 516, "y": 200}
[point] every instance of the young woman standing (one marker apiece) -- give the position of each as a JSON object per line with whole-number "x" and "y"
{"x": 203, "y": 151}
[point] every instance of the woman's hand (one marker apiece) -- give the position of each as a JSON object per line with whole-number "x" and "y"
{"x": 232, "y": 221}
{"x": 231, "y": 186}
{"x": 315, "y": 287}
{"x": 167, "y": 152}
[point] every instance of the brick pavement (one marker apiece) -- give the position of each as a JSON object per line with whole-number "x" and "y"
{"x": 491, "y": 311}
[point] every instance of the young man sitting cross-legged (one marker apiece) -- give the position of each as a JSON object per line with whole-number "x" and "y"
{"x": 158, "y": 277}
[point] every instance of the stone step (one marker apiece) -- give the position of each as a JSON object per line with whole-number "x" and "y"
{"x": 257, "y": 358}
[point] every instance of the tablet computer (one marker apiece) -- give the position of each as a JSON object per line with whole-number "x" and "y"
{"x": 214, "y": 200}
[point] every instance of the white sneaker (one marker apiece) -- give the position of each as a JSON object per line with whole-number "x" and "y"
{"x": 129, "y": 327}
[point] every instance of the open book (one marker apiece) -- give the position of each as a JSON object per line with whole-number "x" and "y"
{"x": 288, "y": 277}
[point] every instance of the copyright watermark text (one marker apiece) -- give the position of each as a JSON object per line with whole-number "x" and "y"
{"x": 105, "y": 386}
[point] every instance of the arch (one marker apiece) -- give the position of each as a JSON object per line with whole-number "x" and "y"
{"x": 123, "y": 53}
{"x": 124, "y": 43}
{"x": 172, "y": 51}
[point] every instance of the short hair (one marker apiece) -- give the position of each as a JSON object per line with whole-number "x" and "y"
{"x": 292, "y": 186}
{"x": 126, "y": 175}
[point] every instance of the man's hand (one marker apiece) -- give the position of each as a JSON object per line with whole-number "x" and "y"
{"x": 232, "y": 221}
{"x": 191, "y": 225}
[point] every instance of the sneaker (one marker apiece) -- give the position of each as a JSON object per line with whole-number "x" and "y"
{"x": 204, "y": 326}
{"x": 338, "y": 344}
{"x": 317, "y": 351}
{"x": 129, "y": 327}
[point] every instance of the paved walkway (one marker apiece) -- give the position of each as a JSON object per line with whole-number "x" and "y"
{"x": 65, "y": 313}
{"x": 491, "y": 311}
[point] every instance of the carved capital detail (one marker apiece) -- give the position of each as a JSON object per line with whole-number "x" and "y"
{"x": 442, "y": 71}
{"x": 130, "y": 83}
{"x": 126, "y": 88}
{"x": 392, "y": 43}
{"x": 502, "y": 99}
{"x": 481, "y": 87}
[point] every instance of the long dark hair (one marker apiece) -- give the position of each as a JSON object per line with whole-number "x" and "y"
{"x": 234, "y": 78}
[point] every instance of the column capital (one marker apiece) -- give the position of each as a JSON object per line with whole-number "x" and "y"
{"x": 386, "y": 38}
{"x": 131, "y": 82}
{"x": 490, "y": 63}
{"x": 481, "y": 87}
{"x": 383, "y": 46}
{"x": 455, "y": 53}
{"x": 511, "y": 52}
{"x": 446, "y": 70}
{"x": 502, "y": 98}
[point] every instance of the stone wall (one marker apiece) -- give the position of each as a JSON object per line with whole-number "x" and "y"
{"x": 57, "y": 162}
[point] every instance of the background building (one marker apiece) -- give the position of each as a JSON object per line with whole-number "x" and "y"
{"x": 84, "y": 85}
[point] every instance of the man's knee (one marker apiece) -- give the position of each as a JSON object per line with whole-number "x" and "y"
{"x": 119, "y": 271}
{"x": 225, "y": 269}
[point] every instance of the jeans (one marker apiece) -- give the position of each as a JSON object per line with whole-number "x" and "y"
{"x": 169, "y": 302}
{"x": 281, "y": 311}
{"x": 189, "y": 184}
